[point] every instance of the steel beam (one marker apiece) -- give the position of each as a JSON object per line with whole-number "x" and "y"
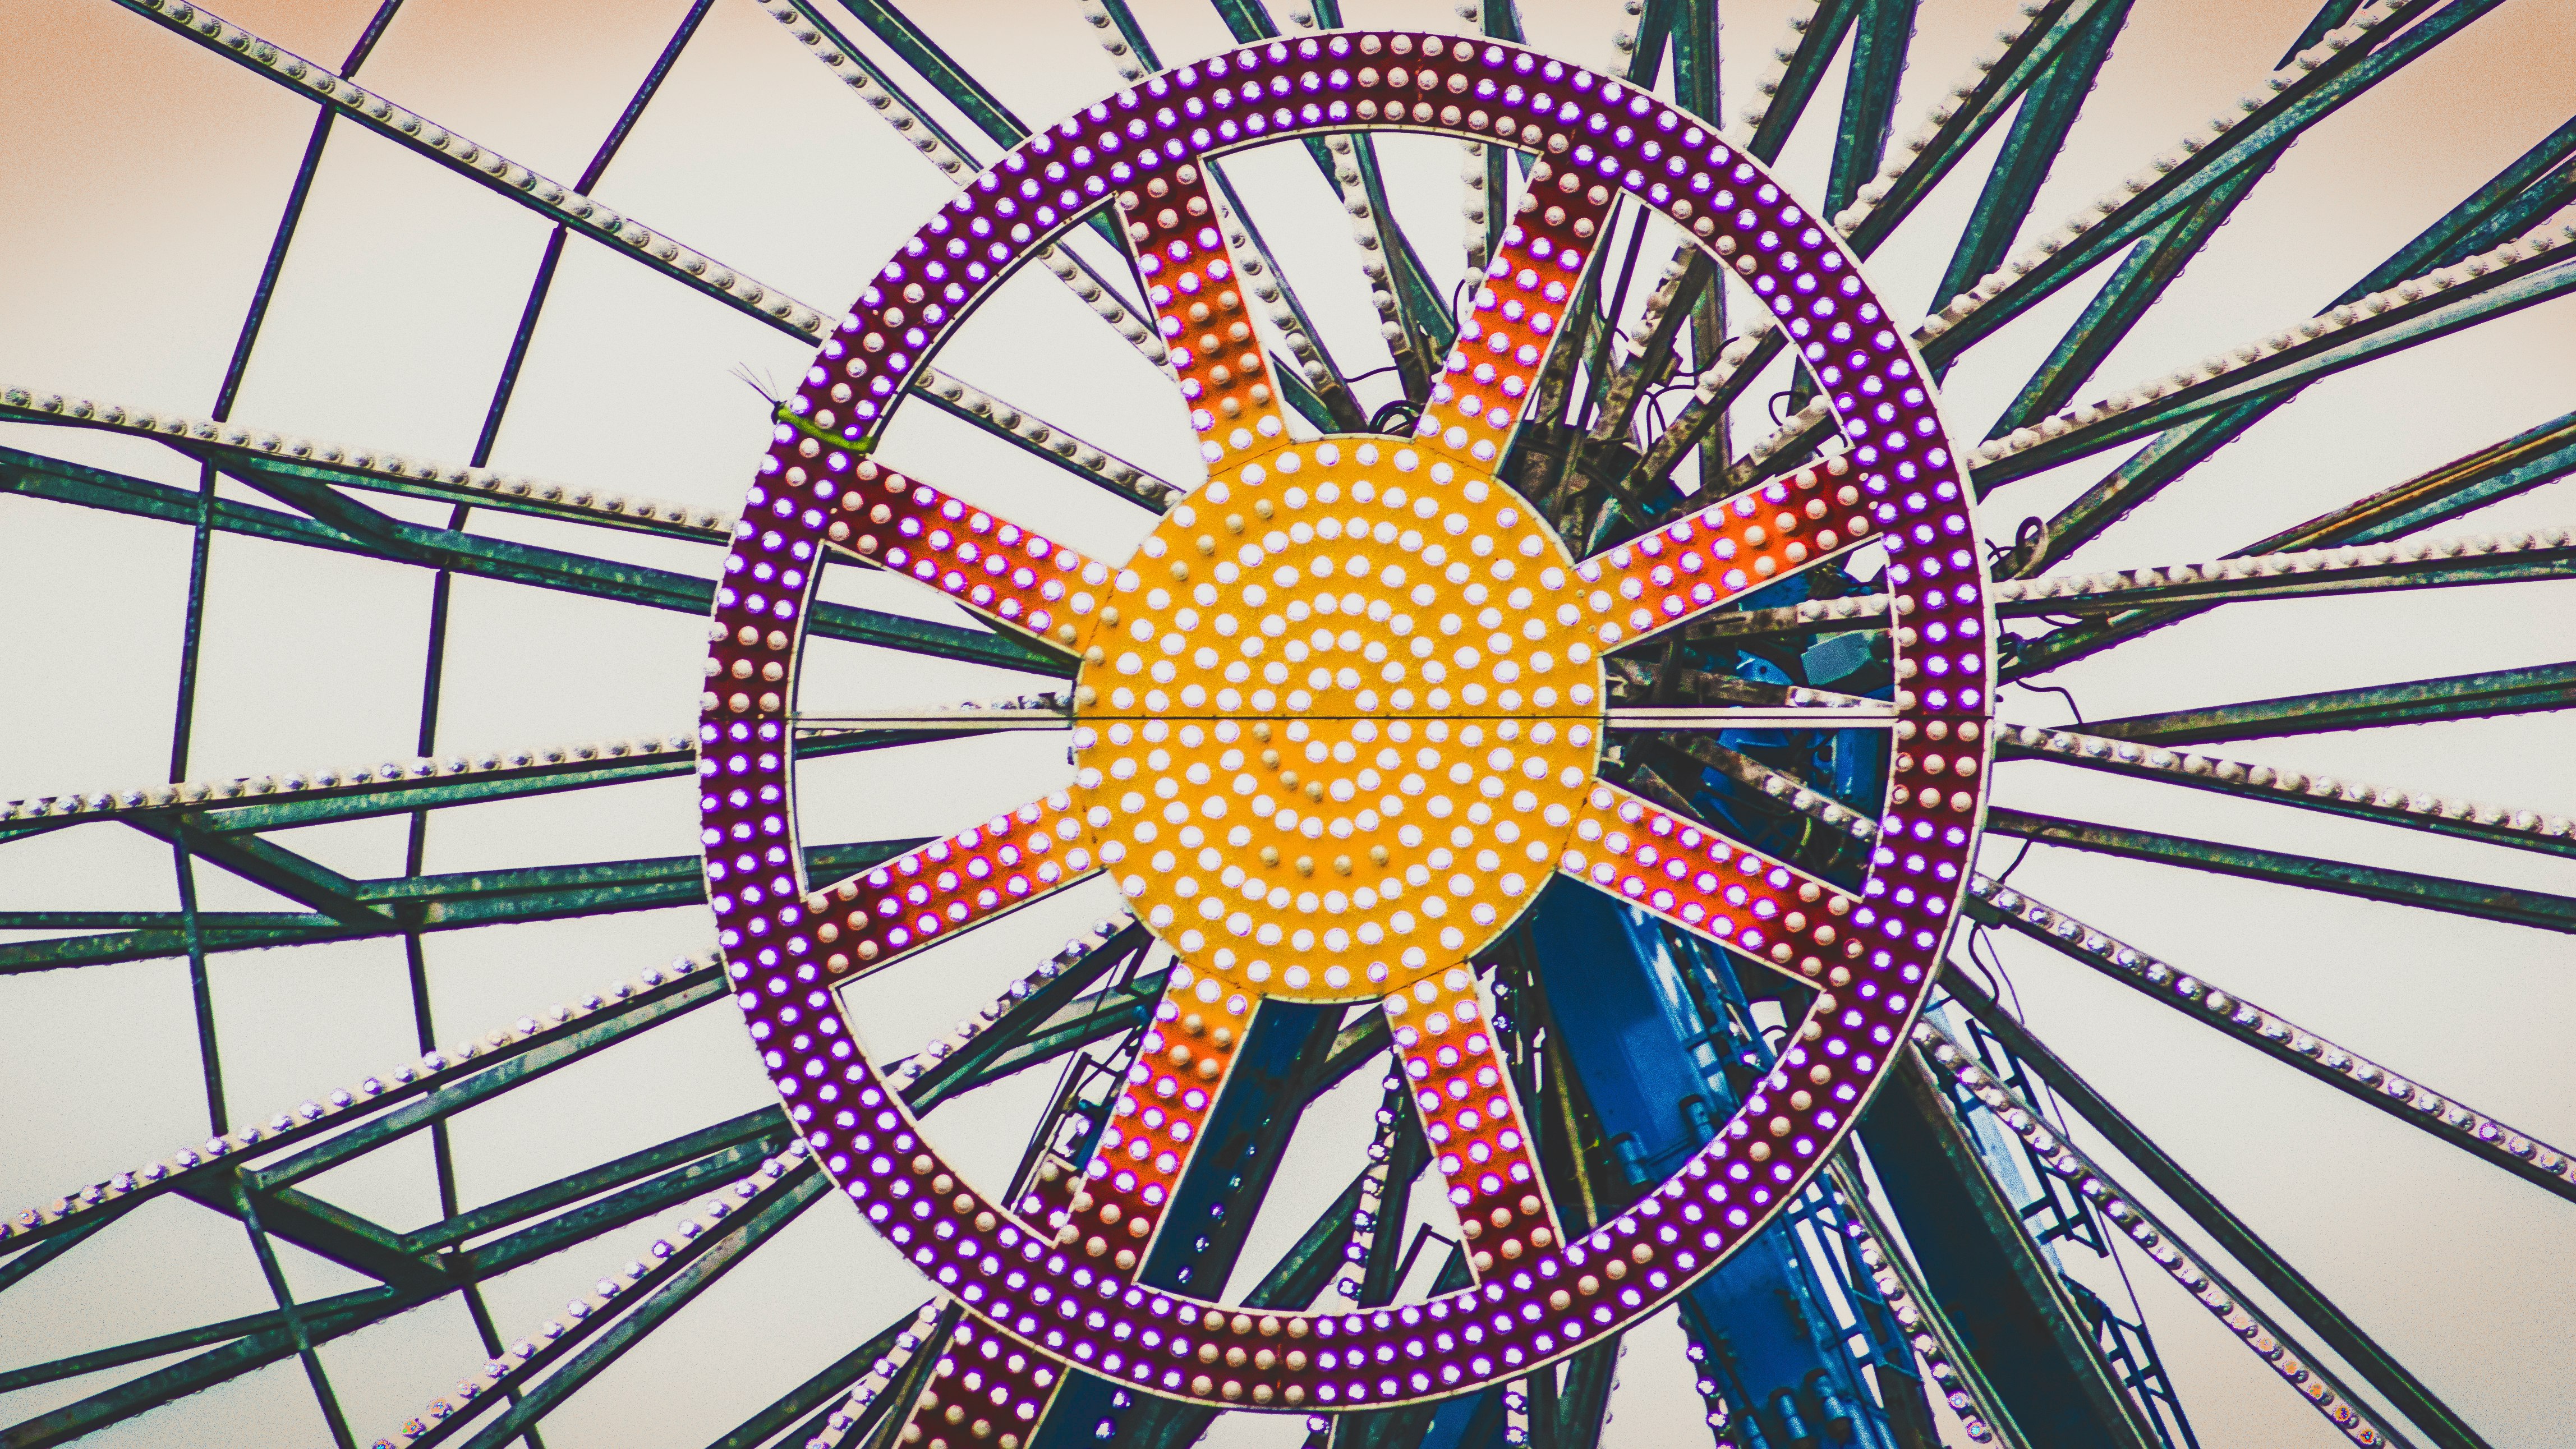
{"x": 2219, "y": 408}
{"x": 1988, "y": 1278}
{"x": 2039, "y": 130}
{"x": 2491, "y": 474}
{"x": 2419, "y": 701}
{"x": 2370, "y": 883}
{"x": 1882, "y": 34}
{"x": 1801, "y": 74}
{"x": 2409, "y": 811}
{"x": 2355, "y": 1346}
{"x": 2446, "y": 1120}
{"x": 2135, "y": 287}
{"x": 38, "y": 477}
{"x": 2283, "y": 116}
{"x": 426, "y": 903}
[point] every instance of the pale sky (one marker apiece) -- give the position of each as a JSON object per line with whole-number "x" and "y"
{"x": 143, "y": 184}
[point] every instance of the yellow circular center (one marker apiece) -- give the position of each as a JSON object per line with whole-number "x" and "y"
{"x": 1336, "y": 718}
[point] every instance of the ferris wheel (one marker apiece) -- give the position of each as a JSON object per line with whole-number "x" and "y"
{"x": 1523, "y": 812}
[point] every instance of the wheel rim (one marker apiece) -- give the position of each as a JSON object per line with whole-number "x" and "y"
{"x": 818, "y": 468}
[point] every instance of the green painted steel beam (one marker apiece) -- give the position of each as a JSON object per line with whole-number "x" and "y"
{"x": 324, "y": 1320}
{"x": 273, "y": 867}
{"x": 378, "y": 479}
{"x": 2278, "y": 119}
{"x": 2002, "y": 1295}
{"x": 454, "y": 161}
{"x": 320, "y": 1228}
{"x": 2016, "y": 69}
{"x": 513, "y": 1063}
{"x": 2372, "y": 883}
{"x": 2048, "y": 112}
{"x": 1083, "y": 1020}
{"x": 1802, "y": 73}
{"x": 2227, "y": 404}
{"x": 2368, "y": 809}
{"x": 2283, "y": 1043}
{"x": 1429, "y": 328}
{"x": 2519, "y": 566}
{"x": 2135, "y": 286}
{"x": 34, "y": 476}
{"x": 1881, "y": 36}
{"x": 751, "y": 1226}
{"x": 2379, "y": 1368}
{"x": 2539, "y": 182}
{"x": 824, "y": 1391}
{"x": 394, "y": 793}
{"x": 2516, "y": 465}
{"x": 1053, "y": 1005}
{"x": 425, "y": 903}
{"x": 2418, "y": 701}
{"x": 727, "y": 1147}
{"x": 914, "y": 45}
{"x": 431, "y": 1259}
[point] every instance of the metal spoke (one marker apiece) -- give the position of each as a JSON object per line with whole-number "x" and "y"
{"x": 2412, "y": 809}
{"x": 2514, "y": 275}
{"x": 2458, "y": 696}
{"x": 288, "y": 798}
{"x": 557, "y": 203}
{"x": 237, "y": 447}
{"x": 2261, "y": 1334}
{"x": 1953, "y": 1369}
{"x": 2371, "y": 883}
{"x": 2039, "y": 130}
{"x": 1881, "y": 34}
{"x": 900, "y": 903}
{"x": 379, "y": 536}
{"x": 1699, "y": 563}
{"x": 805, "y": 20}
{"x": 2314, "y": 83}
{"x": 2372, "y": 45}
{"x": 1470, "y": 1114}
{"x": 1101, "y": 469}
{"x": 2490, "y": 475}
{"x": 1699, "y": 879}
{"x": 420, "y": 902}
{"x": 1520, "y": 324}
{"x": 1193, "y": 279}
{"x": 2446, "y": 1119}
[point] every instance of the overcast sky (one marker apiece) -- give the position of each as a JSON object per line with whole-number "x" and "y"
{"x": 143, "y": 183}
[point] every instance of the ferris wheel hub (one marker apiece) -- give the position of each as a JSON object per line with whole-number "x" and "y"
{"x": 1336, "y": 720}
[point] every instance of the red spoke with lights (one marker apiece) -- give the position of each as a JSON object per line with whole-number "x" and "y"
{"x": 1172, "y": 1088}
{"x": 949, "y": 886}
{"x": 1197, "y": 293}
{"x": 1722, "y": 552}
{"x": 1472, "y": 1118}
{"x": 1484, "y": 389}
{"x": 1014, "y": 576}
{"x": 1711, "y": 886}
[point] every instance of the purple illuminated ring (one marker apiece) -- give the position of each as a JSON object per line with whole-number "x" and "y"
{"x": 1008, "y": 1273}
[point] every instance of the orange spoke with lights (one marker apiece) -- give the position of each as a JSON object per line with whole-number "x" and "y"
{"x": 1010, "y": 575}
{"x": 950, "y": 886}
{"x": 1712, "y": 886}
{"x": 1472, "y": 1118}
{"x": 1181, "y": 1068}
{"x": 1722, "y": 552}
{"x": 1484, "y": 388}
{"x": 1197, "y": 293}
